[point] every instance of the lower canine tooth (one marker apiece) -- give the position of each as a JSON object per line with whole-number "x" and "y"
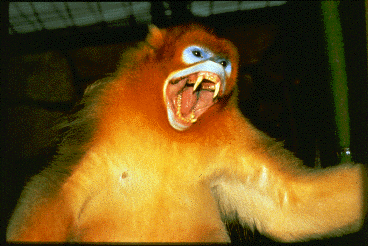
{"x": 217, "y": 90}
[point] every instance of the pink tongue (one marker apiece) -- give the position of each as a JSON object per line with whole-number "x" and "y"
{"x": 188, "y": 101}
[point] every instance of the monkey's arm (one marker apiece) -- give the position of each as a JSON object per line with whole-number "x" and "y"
{"x": 316, "y": 204}
{"x": 40, "y": 219}
{"x": 272, "y": 192}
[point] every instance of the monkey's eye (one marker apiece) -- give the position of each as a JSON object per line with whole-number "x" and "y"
{"x": 223, "y": 63}
{"x": 193, "y": 54}
{"x": 197, "y": 53}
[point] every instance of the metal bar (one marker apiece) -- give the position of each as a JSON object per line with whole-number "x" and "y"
{"x": 335, "y": 49}
{"x": 59, "y": 14}
{"x": 69, "y": 13}
{"x": 94, "y": 12}
{"x": 37, "y": 16}
{"x": 25, "y": 16}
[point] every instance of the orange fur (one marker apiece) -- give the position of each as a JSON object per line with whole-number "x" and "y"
{"x": 124, "y": 174}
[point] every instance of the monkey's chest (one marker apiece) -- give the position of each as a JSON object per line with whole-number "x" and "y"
{"x": 137, "y": 207}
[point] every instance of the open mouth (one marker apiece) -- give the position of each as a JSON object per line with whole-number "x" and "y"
{"x": 189, "y": 96}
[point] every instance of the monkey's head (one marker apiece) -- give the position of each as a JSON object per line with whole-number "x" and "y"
{"x": 201, "y": 72}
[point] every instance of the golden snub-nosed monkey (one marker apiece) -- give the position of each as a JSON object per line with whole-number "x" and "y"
{"x": 161, "y": 153}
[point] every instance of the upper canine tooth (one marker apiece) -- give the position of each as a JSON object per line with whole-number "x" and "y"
{"x": 198, "y": 82}
{"x": 217, "y": 90}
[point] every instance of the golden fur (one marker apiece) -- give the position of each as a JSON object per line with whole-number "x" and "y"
{"x": 124, "y": 174}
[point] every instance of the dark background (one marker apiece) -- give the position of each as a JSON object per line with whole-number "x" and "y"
{"x": 284, "y": 84}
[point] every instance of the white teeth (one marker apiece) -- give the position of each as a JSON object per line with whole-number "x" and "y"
{"x": 192, "y": 117}
{"x": 217, "y": 90}
{"x": 198, "y": 82}
{"x": 216, "y": 87}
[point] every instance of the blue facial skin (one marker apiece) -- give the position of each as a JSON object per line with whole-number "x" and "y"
{"x": 195, "y": 54}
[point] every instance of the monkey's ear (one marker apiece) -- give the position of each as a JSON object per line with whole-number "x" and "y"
{"x": 155, "y": 36}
